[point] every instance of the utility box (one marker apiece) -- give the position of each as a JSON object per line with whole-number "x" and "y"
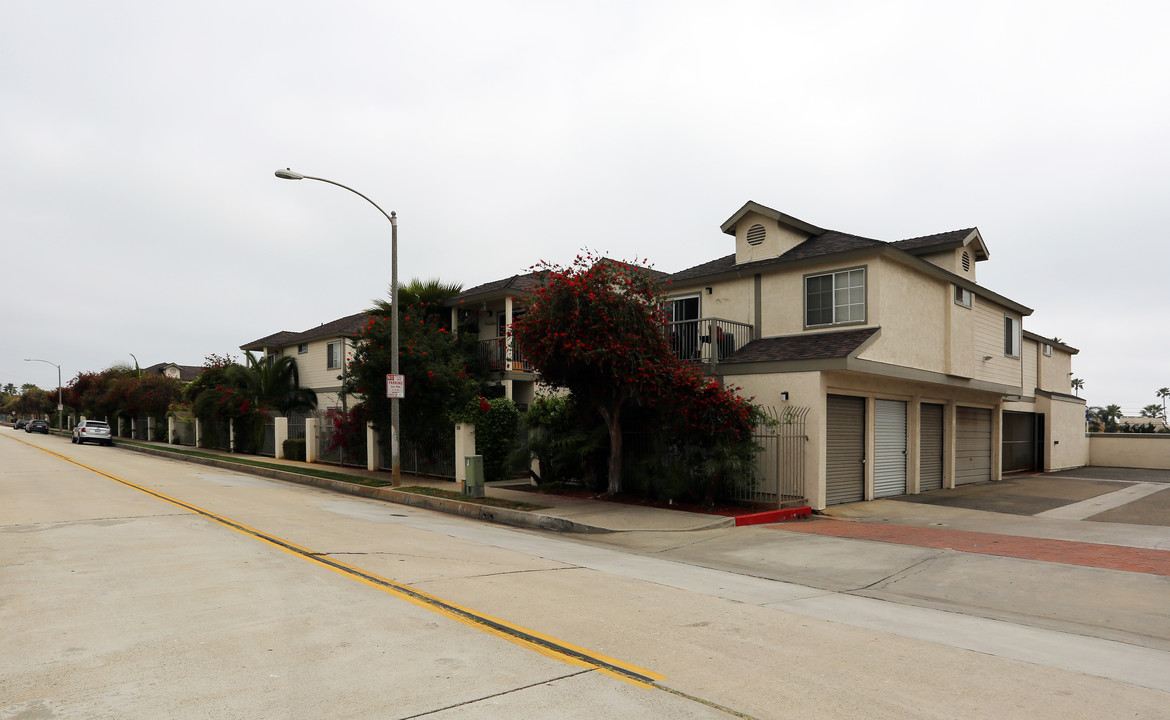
{"x": 472, "y": 484}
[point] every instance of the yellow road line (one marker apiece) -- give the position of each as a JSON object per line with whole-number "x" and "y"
{"x": 530, "y": 639}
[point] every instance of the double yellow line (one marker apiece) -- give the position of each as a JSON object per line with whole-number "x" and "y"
{"x": 530, "y": 639}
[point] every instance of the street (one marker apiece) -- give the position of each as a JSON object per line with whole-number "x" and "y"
{"x": 139, "y": 587}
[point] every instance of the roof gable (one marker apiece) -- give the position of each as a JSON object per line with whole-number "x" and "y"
{"x": 750, "y": 206}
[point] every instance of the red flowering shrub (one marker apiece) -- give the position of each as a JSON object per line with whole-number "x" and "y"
{"x": 597, "y": 329}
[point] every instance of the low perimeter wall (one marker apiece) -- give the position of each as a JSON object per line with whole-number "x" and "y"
{"x": 1130, "y": 450}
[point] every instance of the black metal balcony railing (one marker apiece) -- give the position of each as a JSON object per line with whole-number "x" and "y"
{"x": 707, "y": 340}
{"x": 493, "y": 353}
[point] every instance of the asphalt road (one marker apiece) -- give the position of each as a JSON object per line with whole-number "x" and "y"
{"x": 138, "y": 587}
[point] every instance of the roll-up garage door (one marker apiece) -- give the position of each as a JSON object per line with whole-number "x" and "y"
{"x": 1022, "y": 448}
{"x": 930, "y": 448}
{"x": 889, "y": 448}
{"x": 972, "y": 445}
{"x": 845, "y": 449}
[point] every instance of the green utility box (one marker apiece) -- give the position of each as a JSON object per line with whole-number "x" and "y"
{"x": 473, "y": 481}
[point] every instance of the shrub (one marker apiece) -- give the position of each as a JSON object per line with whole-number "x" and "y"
{"x": 294, "y": 449}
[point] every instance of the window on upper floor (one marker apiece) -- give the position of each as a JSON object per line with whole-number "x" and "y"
{"x": 1011, "y": 336}
{"x": 836, "y": 298}
{"x": 302, "y": 348}
{"x": 333, "y": 355}
{"x": 1047, "y": 350}
{"x": 962, "y": 296}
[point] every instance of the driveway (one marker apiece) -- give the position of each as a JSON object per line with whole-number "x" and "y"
{"x": 1099, "y": 494}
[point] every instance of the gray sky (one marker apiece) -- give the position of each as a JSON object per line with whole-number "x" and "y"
{"x": 139, "y": 212}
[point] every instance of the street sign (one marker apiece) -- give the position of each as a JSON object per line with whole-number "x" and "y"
{"x": 395, "y": 386}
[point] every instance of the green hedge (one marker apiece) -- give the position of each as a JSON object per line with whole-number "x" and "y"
{"x": 294, "y": 449}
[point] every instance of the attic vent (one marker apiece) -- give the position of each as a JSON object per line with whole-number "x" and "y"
{"x": 966, "y": 262}
{"x": 755, "y": 234}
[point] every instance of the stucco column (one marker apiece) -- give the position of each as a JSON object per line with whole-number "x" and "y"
{"x": 951, "y": 413}
{"x": 311, "y": 445}
{"x": 997, "y": 441}
{"x": 231, "y": 434}
{"x": 171, "y": 430}
{"x": 280, "y": 434}
{"x": 373, "y": 448}
{"x": 464, "y": 446}
{"x": 913, "y": 444}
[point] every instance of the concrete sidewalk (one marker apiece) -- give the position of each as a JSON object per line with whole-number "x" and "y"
{"x": 559, "y": 512}
{"x": 888, "y": 521}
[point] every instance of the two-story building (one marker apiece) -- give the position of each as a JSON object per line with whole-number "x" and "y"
{"x": 322, "y": 355}
{"x": 916, "y": 376}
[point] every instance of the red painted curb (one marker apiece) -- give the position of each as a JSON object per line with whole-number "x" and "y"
{"x": 772, "y": 516}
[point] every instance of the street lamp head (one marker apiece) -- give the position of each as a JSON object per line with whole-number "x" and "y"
{"x": 289, "y": 174}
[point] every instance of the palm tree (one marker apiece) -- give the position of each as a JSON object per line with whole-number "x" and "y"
{"x": 1152, "y": 411}
{"x": 1077, "y": 384}
{"x": 1106, "y": 417}
{"x": 427, "y": 297}
{"x": 276, "y": 384}
{"x": 1164, "y": 393}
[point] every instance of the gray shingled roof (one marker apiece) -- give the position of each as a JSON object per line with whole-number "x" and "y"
{"x": 525, "y": 283}
{"x": 813, "y": 346}
{"x": 348, "y": 326}
{"x": 830, "y": 242}
{"x": 938, "y": 241}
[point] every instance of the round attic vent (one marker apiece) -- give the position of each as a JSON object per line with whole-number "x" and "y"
{"x": 755, "y": 234}
{"x": 966, "y": 262}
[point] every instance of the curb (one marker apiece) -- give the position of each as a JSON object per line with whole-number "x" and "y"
{"x": 772, "y": 516}
{"x": 506, "y": 516}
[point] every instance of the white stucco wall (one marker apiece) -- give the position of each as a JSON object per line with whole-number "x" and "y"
{"x": 1130, "y": 450}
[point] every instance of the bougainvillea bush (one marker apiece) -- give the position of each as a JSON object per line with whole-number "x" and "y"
{"x": 597, "y": 328}
{"x": 439, "y": 368}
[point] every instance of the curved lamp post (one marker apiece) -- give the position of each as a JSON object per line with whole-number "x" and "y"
{"x": 60, "y": 405}
{"x": 395, "y": 459}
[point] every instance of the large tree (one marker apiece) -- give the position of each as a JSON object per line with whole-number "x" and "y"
{"x": 439, "y": 366}
{"x": 597, "y": 329}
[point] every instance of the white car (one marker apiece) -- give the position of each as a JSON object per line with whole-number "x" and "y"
{"x": 92, "y": 431}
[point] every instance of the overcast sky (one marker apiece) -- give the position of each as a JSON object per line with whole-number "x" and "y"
{"x": 139, "y": 212}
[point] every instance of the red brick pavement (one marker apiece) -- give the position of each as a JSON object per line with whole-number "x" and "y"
{"x": 1110, "y": 557}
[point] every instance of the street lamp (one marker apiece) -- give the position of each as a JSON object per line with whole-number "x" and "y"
{"x": 60, "y": 405}
{"x": 395, "y": 457}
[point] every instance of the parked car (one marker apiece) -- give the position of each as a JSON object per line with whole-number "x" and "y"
{"x": 92, "y": 431}
{"x": 19, "y": 424}
{"x": 41, "y": 426}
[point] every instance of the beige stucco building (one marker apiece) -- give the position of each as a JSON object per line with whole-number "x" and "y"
{"x": 322, "y": 355}
{"x": 916, "y": 376}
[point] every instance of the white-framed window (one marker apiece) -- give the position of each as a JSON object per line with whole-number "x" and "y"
{"x": 333, "y": 355}
{"x": 1047, "y": 350}
{"x": 302, "y": 348}
{"x": 962, "y": 296}
{"x": 836, "y": 298}
{"x": 1011, "y": 336}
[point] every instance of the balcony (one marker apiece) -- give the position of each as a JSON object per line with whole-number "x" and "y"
{"x": 707, "y": 340}
{"x": 493, "y": 353}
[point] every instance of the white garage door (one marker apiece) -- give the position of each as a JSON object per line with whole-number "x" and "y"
{"x": 889, "y": 448}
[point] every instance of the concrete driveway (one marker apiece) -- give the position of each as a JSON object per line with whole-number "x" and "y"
{"x": 1099, "y": 494}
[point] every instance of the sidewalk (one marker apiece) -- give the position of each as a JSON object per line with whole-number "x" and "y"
{"x": 907, "y": 522}
{"x": 561, "y": 513}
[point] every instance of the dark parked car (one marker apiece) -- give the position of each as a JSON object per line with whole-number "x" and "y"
{"x": 19, "y": 424}
{"x": 41, "y": 426}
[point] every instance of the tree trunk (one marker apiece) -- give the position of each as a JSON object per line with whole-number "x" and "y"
{"x": 614, "y": 423}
